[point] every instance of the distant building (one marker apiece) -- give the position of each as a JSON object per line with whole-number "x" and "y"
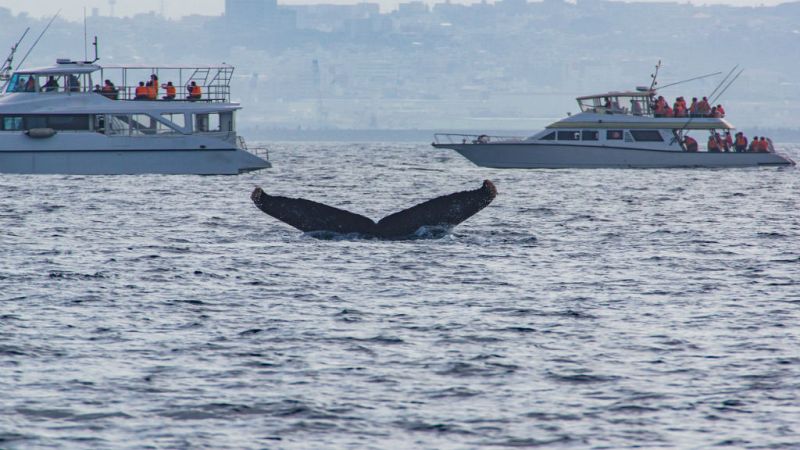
{"x": 250, "y": 12}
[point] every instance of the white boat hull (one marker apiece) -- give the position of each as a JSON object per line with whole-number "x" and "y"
{"x": 96, "y": 154}
{"x": 550, "y": 156}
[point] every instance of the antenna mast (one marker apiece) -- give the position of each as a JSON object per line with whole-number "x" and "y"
{"x": 38, "y": 38}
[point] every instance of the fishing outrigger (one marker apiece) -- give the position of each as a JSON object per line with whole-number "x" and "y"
{"x": 623, "y": 129}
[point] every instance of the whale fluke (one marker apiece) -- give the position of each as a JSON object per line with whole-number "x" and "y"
{"x": 309, "y": 216}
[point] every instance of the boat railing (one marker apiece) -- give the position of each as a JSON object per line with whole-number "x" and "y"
{"x": 214, "y": 82}
{"x": 452, "y": 138}
{"x": 260, "y": 151}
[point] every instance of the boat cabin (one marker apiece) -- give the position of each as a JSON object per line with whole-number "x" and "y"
{"x": 637, "y": 103}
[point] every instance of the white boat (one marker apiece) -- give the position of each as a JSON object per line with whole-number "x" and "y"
{"x": 613, "y": 129}
{"x": 73, "y": 126}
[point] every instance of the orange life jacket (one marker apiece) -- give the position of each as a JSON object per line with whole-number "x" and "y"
{"x": 713, "y": 144}
{"x": 142, "y": 91}
{"x": 171, "y": 91}
{"x": 763, "y": 146}
{"x": 741, "y": 141}
{"x": 195, "y": 91}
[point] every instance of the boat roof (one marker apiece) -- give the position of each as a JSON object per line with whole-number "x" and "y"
{"x": 62, "y": 69}
{"x": 66, "y": 67}
{"x": 637, "y": 93}
{"x": 589, "y": 120}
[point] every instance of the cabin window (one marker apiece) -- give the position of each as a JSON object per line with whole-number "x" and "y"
{"x": 68, "y": 122}
{"x": 177, "y": 119}
{"x": 647, "y": 136}
{"x": 35, "y": 122}
{"x": 569, "y": 135}
{"x": 21, "y": 83}
{"x": 11, "y": 123}
{"x": 549, "y": 136}
{"x": 614, "y": 135}
{"x": 207, "y": 123}
{"x": 589, "y": 135}
{"x": 142, "y": 124}
{"x": 118, "y": 125}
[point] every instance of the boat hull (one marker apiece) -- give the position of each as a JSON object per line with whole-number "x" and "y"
{"x": 118, "y": 162}
{"x": 97, "y": 154}
{"x": 549, "y": 156}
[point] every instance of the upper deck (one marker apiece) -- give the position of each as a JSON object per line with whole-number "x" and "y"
{"x": 120, "y": 82}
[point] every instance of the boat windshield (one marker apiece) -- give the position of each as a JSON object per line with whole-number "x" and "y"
{"x": 35, "y": 82}
{"x": 637, "y": 104}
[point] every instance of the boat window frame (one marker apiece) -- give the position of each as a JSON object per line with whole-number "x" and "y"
{"x": 644, "y": 134}
{"x": 575, "y": 134}
{"x": 594, "y": 133}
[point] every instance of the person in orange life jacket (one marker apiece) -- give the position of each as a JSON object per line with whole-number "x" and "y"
{"x": 153, "y": 87}
{"x": 714, "y": 113}
{"x": 740, "y": 145}
{"x": 763, "y": 145}
{"x": 727, "y": 142}
{"x": 713, "y": 144}
{"x": 667, "y": 111}
{"x": 194, "y": 91}
{"x": 721, "y": 110}
{"x": 690, "y": 143}
{"x": 703, "y": 108}
{"x": 693, "y": 108}
{"x": 141, "y": 92}
{"x": 753, "y": 145}
{"x": 170, "y": 90}
{"x": 680, "y": 108}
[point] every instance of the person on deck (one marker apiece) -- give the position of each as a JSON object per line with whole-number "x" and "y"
{"x": 51, "y": 85}
{"x": 740, "y": 145}
{"x": 753, "y": 145}
{"x": 690, "y": 143}
{"x": 680, "y": 108}
{"x": 703, "y": 108}
{"x": 109, "y": 90}
{"x": 141, "y": 92}
{"x": 763, "y": 145}
{"x": 195, "y": 93}
{"x": 721, "y": 110}
{"x": 169, "y": 88}
{"x": 153, "y": 87}
{"x": 713, "y": 143}
{"x": 693, "y": 108}
{"x": 727, "y": 142}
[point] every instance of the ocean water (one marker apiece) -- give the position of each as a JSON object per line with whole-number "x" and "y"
{"x": 582, "y": 309}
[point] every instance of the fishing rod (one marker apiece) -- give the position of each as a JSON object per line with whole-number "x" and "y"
{"x": 711, "y": 95}
{"x": 691, "y": 79}
{"x": 7, "y": 65}
{"x": 723, "y": 81}
{"x": 38, "y": 38}
{"x": 726, "y": 86}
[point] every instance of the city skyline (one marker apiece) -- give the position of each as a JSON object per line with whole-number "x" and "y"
{"x": 176, "y": 9}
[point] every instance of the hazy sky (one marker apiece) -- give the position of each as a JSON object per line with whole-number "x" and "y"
{"x": 73, "y": 9}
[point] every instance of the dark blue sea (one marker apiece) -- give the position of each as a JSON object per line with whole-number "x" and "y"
{"x": 582, "y": 309}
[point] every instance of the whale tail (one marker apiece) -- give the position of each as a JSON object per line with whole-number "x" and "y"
{"x": 446, "y": 211}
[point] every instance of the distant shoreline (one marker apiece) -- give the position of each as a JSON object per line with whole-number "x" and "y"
{"x": 426, "y": 136}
